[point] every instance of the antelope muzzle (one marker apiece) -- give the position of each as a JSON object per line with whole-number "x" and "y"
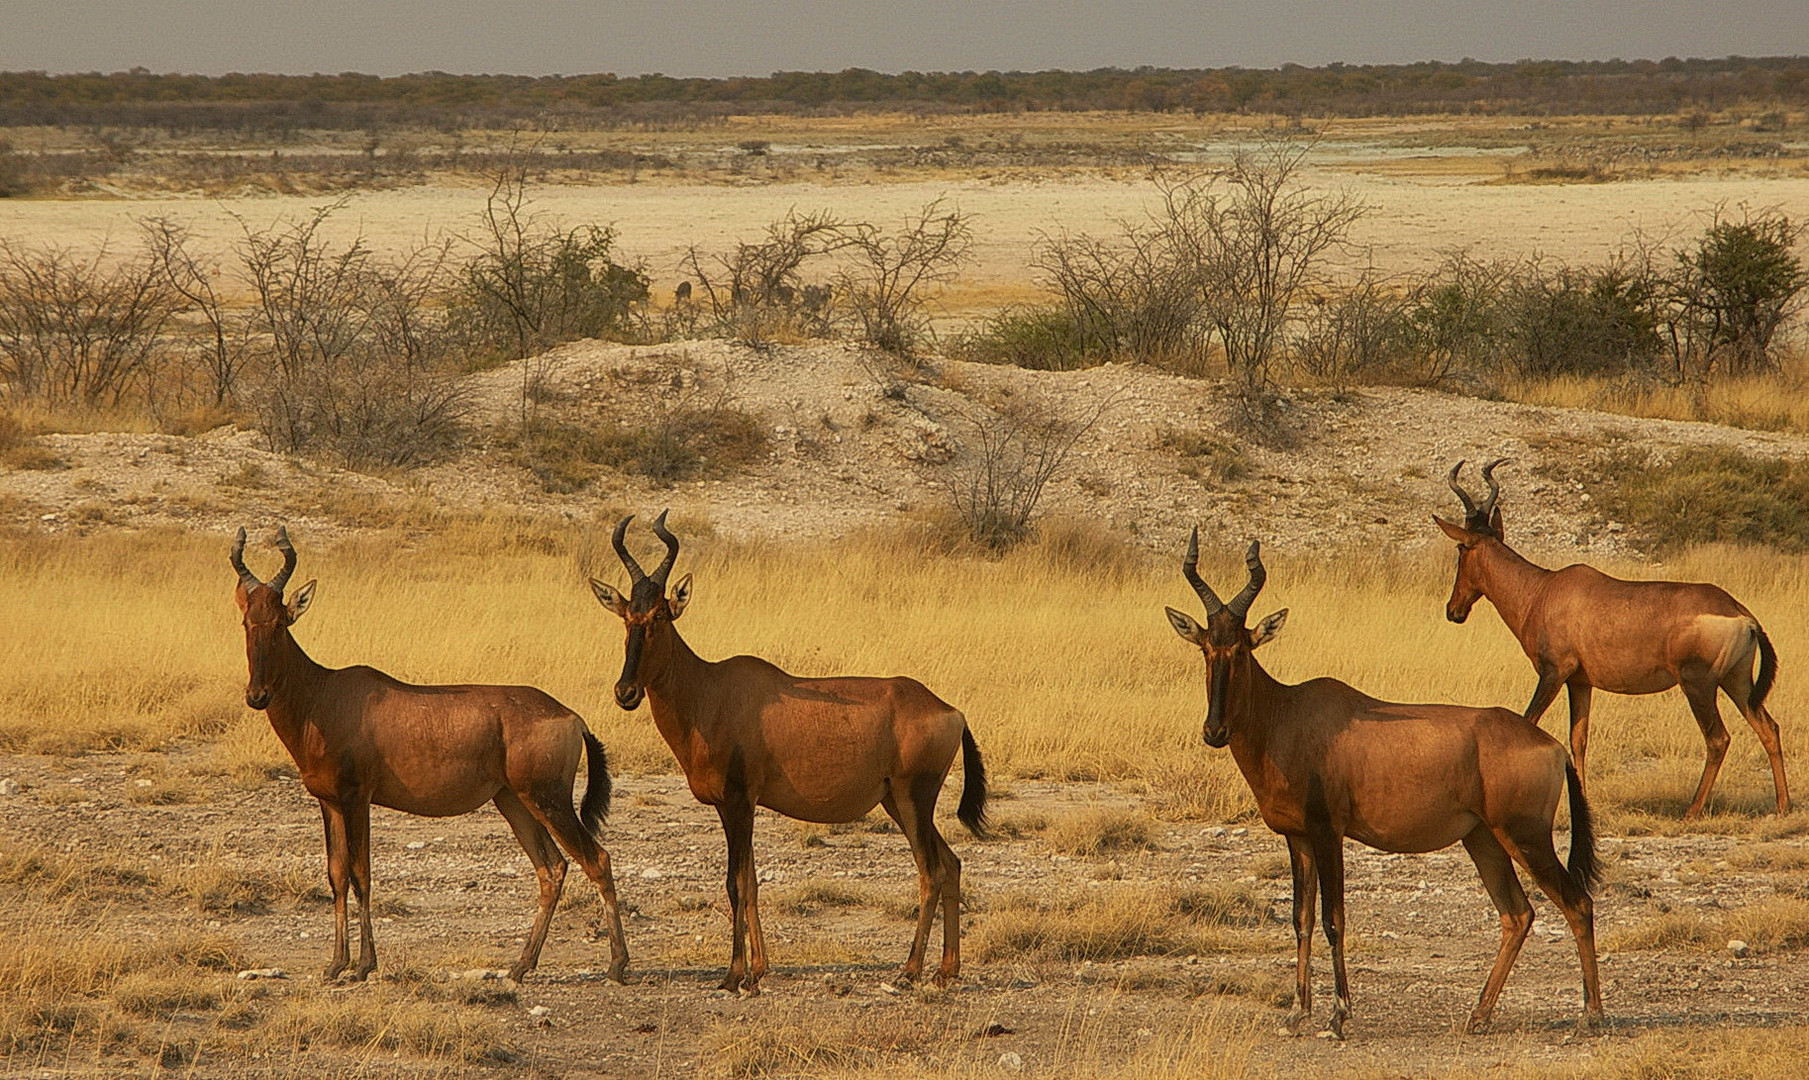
{"x": 629, "y": 688}
{"x": 1215, "y": 733}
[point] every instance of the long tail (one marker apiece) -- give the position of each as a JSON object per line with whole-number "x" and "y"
{"x": 1585, "y": 868}
{"x": 1768, "y": 669}
{"x": 596, "y": 794}
{"x": 972, "y": 810}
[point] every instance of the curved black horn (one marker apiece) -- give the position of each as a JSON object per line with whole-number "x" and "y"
{"x": 635, "y": 574}
{"x": 1253, "y": 559}
{"x": 1462, "y": 495}
{"x": 1190, "y": 568}
{"x": 1488, "y": 475}
{"x": 281, "y": 580}
{"x": 246, "y": 578}
{"x": 660, "y": 530}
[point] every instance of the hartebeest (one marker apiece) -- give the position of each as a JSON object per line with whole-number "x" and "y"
{"x": 1326, "y": 761}
{"x": 824, "y": 750}
{"x": 1584, "y": 630}
{"x": 360, "y": 737}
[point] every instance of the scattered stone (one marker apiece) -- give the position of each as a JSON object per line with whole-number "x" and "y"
{"x": 1738, "y": 947}
{"x": 653, "y": 873}
{"x": 263, "y": 973}
{"x": 539, "y": 1010}
{"x": 416, "y": 845}
{"x": 9, "y": 786}
{"x": 995, "y": 1029}
{"x": 888, "y": 988}
{"x": 1011, "y": 1061}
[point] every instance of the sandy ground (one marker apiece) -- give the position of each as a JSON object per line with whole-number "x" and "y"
{"x": 1422, "y": 935}
{"x": 1416, "y": 217}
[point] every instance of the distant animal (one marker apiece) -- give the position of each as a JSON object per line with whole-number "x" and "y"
{"x": 1326, "y": 761}
{"x": 825, "y": 750}
{"x": 1585, "y": 630}
{"x": 682, "y": 294}
{"x": 360, "y": 737}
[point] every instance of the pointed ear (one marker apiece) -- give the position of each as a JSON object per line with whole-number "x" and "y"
{"x": 298, "y": 604}
{"x": 1184, "y": 625}
{"x": 1455, "y": 532}
{"x": 1495, "y": 523}
{"x": 609, "y": 598}
{"x": 681, "y": 595}
{"x": 1268, "y": 628}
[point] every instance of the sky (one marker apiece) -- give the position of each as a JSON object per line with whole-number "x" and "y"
{"x": 758, "y": 37}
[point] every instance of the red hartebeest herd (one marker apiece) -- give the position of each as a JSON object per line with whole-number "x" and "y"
{"x": 1325, "y": 761}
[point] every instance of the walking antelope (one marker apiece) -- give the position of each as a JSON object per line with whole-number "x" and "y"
{"x": 826, "y": 750}
{"x": 1326, "y": 762}
{"x": 1583, "y": 629}
{"x": 360, "y": 737}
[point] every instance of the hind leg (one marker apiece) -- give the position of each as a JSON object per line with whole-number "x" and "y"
{"x": 1700, "y": 693}
{"x": 554, "y": 815}
{"x": 549, "y": 870}
{"x": 910, "y": 819}
{"x": 1529, "y": 842}
{"x": 1738, "y": 686}
{"x": 1496, "y": 869}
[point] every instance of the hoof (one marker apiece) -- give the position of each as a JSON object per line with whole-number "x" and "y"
{"x": 1292, "y": 1025}
{"x": 1478, "y": 1025}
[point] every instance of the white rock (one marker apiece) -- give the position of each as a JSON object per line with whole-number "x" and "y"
{"x": 539, "y": 1010}
{"x": 1738, "y": 947}
{"x": 653, "y": 873}
{"x": 1011, "y": 1061}
{"x": 9, "y": 786}
{"x": 263, "y": 973}
{"x": 416, "y": 845}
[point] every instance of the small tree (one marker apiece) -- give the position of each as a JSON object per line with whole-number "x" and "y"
{"x": 222, "y": 353}
{"x": 1733, "y": 292}
{"x": 885, "y": 283}
{"x": 758, "y": 289}
{"x": 79, "y": 330}
{"x": 997, "y": 480}
{"x": 1256, "y": 249}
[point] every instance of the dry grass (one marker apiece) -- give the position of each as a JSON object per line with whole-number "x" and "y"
{"x": 1772, "y": 925}
{"x": 1101, "y": 831}
{"x": 132, "y": 642}
{"x": 1772, "y": 402}
{"x": 1113, "y": 922}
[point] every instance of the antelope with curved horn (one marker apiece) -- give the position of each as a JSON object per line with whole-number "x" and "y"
{"x": 1327, "y": 762}
{"x": 359, "y": 737}
{"x": 825, "y": 750}
{"x": 1584, "y": 630}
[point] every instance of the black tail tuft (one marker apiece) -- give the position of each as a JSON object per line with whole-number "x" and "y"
{"x": 1585, "y": 868}
{"x": 972, "y": 810}
{"x": 596, "y": 794}
{"x": 1768, "y": 670}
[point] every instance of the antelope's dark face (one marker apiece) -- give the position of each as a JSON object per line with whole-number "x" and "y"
{"x": 646, "y": 612}
{"x": 1225, "y": 642}
{"x": 266, "y": 617}
{"x": 1482, "y": 523}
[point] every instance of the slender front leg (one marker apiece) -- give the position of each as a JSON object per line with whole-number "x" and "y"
{"x": 1306, "y": 885}
{"x": 1328, "y": 851}
{"x": 339, "y": 877}
{"x": 1551, "y": 680}
{"x": 1580, "y": 693}
{"x": 738, "y": 827}
{"x": 358, "y": 832}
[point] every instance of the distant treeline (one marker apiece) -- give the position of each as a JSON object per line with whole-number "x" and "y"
{"x": 139, "y": 98}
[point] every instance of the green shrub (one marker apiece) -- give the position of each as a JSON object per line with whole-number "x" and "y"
{"x": 1706, "y": 495}
{"x": 1038, "y": 338}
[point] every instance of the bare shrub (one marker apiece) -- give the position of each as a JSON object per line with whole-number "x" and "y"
{"x": 354, "y": 363}
{"x": 533, "y": 285}
{"x": 758, "y": 291}
{"x": 76, "y": 330}
{"x": 1358, "y": 332}
{"x": 1010, "y": 456}
{"x": 1124, "y": 299}
{"x": 1256, "y": 250}
{"x": 222, "y": 351}
{"x": 889, "y": 272}
{"x": 1455, "y": 316}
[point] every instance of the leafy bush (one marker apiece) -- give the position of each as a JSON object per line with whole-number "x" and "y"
{"x": 1037, "y": 338}
{"x": 1581, "y": 321}
{"x": 1733, "y": 292}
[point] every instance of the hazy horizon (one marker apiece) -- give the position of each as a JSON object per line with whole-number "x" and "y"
{"x": 720, "y": 38}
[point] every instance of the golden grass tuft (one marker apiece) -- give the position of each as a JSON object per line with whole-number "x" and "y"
{"x": 1108, "y": 923}
{"x": 798, "y": 1044}
{"x": 1774, "y": 925}
{"x": 1101, "y": 831}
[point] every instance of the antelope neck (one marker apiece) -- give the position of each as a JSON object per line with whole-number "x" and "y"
{"x": 1509, "y": 580}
